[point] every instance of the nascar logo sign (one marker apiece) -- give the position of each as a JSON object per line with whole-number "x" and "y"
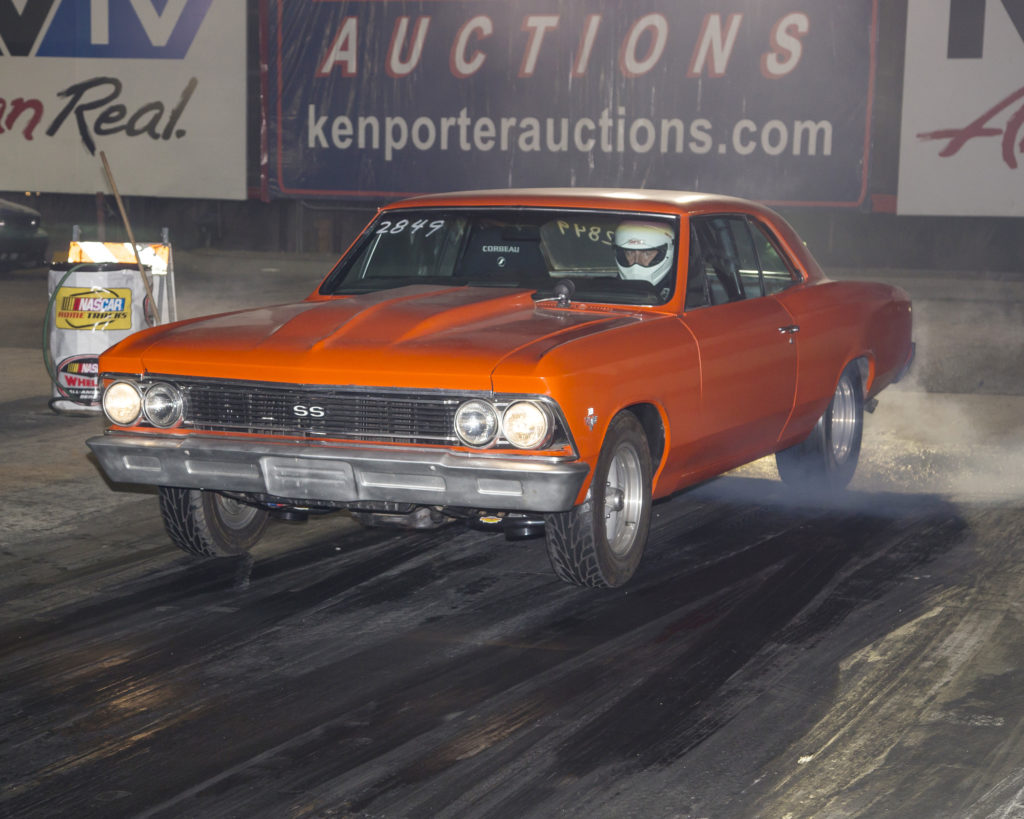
{"x": 94, "y": 309}
{"x": 78, "y": 379}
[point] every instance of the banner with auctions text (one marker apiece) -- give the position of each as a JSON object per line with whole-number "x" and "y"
{"x": 760, "y": 98}
{"x": 962, "y": 133}
{"x": 158, "y": 85}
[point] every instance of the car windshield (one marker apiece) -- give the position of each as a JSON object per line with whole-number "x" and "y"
{"x": 523, "y": 248}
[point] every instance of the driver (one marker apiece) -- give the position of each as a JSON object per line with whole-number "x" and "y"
{"x": 643, "y": 250}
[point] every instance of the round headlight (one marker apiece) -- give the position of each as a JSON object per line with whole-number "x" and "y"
{"x": 476, "y": 423}
{"x": 122, "y": 403}
{"x": 162, "y": 405}
{"x": 526, "y": 424}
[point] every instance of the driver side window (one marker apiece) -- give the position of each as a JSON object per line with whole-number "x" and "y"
{"x": 731, "y": 259}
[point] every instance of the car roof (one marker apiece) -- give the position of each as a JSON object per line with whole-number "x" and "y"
{"x": 626, "y": 198}
{"x": 15, "y": 207}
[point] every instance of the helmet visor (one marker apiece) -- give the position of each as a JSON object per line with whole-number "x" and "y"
{"x": 643, "y": 256}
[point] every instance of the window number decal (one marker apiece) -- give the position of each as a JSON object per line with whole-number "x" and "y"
{"x": 386, "y": 227}
{"x": 594, "y": 233}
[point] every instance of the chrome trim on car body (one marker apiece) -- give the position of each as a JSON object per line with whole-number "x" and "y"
{"x": 345, "y": 473}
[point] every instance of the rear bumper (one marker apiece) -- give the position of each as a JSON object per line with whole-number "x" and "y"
{"x": 342, "y": 474}
{"x": 907, "y": 364}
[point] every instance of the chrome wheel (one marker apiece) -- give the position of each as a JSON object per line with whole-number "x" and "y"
{"x": 844, "y": 420}
{"x": 207, "y": 524}
{"x": 235, "y": 514}
{"x": 599, "y": 543}
{"x": 826, "y": 460}
{"x": 623, "y": 499}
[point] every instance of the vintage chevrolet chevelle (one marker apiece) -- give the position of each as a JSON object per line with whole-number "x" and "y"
{"x": 541, "y": 361}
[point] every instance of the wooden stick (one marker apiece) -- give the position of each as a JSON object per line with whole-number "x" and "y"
{"x": 131, "y": 237}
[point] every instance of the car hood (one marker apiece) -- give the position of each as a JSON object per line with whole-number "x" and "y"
{"x": 417, "y": 337}
{"x": 6, "y": 206}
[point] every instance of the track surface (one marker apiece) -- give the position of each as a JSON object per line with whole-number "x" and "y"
{"x": 860, "y": 657}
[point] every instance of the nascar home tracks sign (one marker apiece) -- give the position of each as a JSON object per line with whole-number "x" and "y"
{"x": 98, "y": 299}
{"x": 157, "y": 84}
{"x": 962, "y": 135}
{"x": 384, "y": 97}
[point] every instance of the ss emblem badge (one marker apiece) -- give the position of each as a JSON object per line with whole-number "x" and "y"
{"x": 302, "y": 411}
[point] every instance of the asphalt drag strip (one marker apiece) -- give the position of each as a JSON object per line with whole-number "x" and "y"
{"x": 770, "y": 658}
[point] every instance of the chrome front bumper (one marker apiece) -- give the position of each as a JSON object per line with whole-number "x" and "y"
{"x": 342, "y": 474}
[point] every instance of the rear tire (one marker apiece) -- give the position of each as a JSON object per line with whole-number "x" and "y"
{"x": 207, "y": 524}
{"x": 827, "y": 458}
{"x": 600, "y": 542}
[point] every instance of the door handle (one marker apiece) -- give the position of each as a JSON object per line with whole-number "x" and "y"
{"x": 789, "y": 329}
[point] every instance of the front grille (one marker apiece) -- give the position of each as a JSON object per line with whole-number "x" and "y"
{"x": 320, "y": 413}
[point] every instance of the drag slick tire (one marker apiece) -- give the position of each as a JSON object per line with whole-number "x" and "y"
{"x": 207, "y": 524}
{"x": 827, "y": 458}
{"x": 600, "y": 542}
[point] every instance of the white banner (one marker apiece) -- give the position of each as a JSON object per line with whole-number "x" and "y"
{"x": 160, "y": 87}
{"x": 963, "y": 109}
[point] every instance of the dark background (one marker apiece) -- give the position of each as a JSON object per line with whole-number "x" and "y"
{"x": 869, "y": 237}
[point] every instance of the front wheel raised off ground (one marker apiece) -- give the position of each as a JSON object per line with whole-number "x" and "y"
{"x": 600, "y": 542}
{"x": 209, "y": 524}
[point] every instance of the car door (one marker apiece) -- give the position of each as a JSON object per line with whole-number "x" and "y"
{"x": 747, "y": 341}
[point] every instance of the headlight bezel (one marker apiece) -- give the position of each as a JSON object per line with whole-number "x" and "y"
{"x": 173, "y": 399}
{"x": 543, "y": 414}
{"x": 553, "y": 430}
{"x": 129, "y": 402}
{"x": 487, "y": 409}
{"x": 115, "y": 388}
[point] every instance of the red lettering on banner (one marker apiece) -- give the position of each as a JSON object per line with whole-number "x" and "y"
{"x": 19, "y": 106}
{"x": 981, "y": 127}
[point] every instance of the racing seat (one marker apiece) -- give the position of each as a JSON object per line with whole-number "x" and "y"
{"x": 504, "y": 255}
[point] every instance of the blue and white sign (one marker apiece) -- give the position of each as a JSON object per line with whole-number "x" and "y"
{"x": 158, "y": 85}
{"x": 386, "y": 97}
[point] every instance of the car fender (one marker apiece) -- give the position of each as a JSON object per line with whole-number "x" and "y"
{"x": 652, "y": 362}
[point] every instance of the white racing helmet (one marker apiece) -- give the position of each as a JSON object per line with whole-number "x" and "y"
{"x": 653, "y": 240}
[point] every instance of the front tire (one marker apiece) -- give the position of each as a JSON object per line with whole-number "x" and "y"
{"x": 827, "y": 458}
{"x": 600, "y": 542}
{"x": 208, "y": 524}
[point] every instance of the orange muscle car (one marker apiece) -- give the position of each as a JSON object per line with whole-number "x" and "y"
{"x": 540, "y": 361}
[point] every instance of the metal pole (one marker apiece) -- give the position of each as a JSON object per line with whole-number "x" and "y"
{"x": 131, "y": 238}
